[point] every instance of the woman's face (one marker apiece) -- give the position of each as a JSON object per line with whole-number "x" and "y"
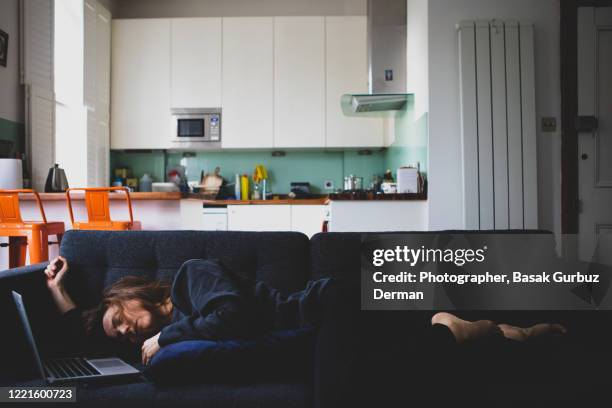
{"x": 132, "y": 322}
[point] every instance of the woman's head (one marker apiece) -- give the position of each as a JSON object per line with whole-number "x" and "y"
{"x": 135, "y": 308}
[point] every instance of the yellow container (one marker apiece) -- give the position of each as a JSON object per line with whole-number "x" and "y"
{"x": 244, "y": 187}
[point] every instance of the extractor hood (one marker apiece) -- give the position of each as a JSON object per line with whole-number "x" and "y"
{"x": 386, "y": 60}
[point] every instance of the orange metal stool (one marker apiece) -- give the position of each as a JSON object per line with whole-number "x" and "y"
{"x": 24, "y": 234}
{"x": 98, "y": 210}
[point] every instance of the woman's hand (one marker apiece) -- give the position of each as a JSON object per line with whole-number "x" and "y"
{"x": 55, "y": 273}
{"x": 150, "y": 348}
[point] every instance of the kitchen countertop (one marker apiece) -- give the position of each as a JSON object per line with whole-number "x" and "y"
{"x": 164, "y": 196}
{"x": 114, "y": 196}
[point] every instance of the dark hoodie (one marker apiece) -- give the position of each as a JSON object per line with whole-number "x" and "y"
{"x": 211, "y": 304}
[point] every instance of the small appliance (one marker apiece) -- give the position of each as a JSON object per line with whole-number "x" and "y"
{"x": 56, "y": 180}
{"x": 196, "y": 128}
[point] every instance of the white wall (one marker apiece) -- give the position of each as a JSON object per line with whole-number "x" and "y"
{"x": 222, "y": 8}
{"x": 445, "y": 185}
{"x": 11, "y": 92}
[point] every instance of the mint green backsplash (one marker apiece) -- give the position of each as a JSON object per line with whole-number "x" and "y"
{"x": 410, "y": 144}
{"x": 314, "y": 167}
{"x": 13, "y": 132}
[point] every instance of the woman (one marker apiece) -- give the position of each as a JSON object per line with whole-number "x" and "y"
{"x": 204, "y": 302}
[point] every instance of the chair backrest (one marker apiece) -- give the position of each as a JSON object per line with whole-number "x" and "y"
{"x": 9, "y": 206}
{"x": 97, "y": 203}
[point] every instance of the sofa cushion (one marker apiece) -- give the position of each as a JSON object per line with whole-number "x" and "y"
{"x": 100, "y": 258}
{"x": 280, "y": 354}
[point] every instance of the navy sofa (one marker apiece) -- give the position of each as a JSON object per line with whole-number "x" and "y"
{"x": 283, "y": 260}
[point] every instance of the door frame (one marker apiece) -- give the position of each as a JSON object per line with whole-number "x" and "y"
{"x": 569, "y": 111}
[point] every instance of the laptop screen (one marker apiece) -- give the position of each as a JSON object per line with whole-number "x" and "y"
{"x": 28, "y": 333}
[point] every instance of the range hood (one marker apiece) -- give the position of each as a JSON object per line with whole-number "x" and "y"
{"x": 386, "y": 60}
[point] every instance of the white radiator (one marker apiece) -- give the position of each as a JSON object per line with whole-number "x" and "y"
{"x": 498, "y": 125}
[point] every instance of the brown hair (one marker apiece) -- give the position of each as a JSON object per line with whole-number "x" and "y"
{"x": 150, "y": 293}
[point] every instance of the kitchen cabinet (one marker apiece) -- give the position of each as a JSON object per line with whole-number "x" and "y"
{"x": 299, "y": 82}
{"x": 307, "y": 219}
{"x": 140, "y": 107}
{"x": 346, "y": 72}
{"x": 195, "y": 60}
{"x": 275, "y": 217}
{"x": 248, "y": 82}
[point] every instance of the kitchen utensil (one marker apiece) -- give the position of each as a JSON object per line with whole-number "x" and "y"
{"x": 352, "y": 183}
{"x": 12, "y": 174}
{"x": 212, "y": 182}
{"x": 56, "y": 180}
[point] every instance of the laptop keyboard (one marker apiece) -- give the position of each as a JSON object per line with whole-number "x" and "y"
{"x": 70, "y": 368}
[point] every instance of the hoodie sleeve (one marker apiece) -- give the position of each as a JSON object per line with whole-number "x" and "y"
{"x": 209, "y": 302}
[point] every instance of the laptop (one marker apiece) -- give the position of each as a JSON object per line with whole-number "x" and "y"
{"x": 71, "y": 369}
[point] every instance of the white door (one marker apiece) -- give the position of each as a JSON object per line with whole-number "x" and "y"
{"x": 196, "y": 62}
{"x": 274, "y": 217}
{"x": 299, "y": 82}
{"x": 248, "y": 82}
{"x": 347, "y": 72}
{"x": 595, "y": 146}
{"x": 140, "y": 107}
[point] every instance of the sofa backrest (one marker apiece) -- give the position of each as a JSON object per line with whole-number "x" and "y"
{"x": 100, "y": 258}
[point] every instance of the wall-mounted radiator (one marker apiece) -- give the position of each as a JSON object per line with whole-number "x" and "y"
{"x": 498, "y": 125}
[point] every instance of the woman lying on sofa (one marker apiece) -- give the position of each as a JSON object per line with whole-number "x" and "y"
{"x": 204, "y": 302}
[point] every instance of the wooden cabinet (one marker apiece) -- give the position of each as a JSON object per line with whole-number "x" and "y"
{"x": 346, "y": 72}
{"x": 195, "y": 60}
{"x": 299, "y": 82}
{"x": 140, "y": 107}
{"x": 276, "y": 217}
{"x": 248, "y": 82}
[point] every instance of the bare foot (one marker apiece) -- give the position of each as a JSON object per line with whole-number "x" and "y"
{"x": 464, "y": 330}
{"x": 526, "y": 333}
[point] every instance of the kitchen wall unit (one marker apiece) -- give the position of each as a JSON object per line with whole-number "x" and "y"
{"x": 346, "y": 73}
{"x": 248, "y": 82}
{"x": 140, "y": 106}
{"x": 299, "y": 82}
{"x": 195, "y": 62}
{"x": 278, "y": 80}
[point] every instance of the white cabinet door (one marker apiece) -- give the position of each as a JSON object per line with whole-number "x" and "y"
{"x": 140, "y": 100}
{"x": 307, "y": 219}
{"x": 248, "y": 82}
{"x": 347, "y": 72}
{"x": 274, "y": 217}
{"x": 299, "y": 82}
{"x": 195, "y": 62}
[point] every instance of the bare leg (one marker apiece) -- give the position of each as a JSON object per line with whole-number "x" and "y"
{"x": 526, "y": 333}
{"x": 464, "y": 330}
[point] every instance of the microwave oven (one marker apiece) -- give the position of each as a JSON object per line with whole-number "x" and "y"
{"x": 196, "y": 125}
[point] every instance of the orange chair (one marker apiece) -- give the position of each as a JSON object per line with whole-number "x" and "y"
{"x": 24, "y": 234}
{"x": 98, "y": 210}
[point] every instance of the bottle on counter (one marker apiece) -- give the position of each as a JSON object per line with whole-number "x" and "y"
{"x": 244, "y": 187}
{"x": 146, "y": 183}
{"x": 238, "y": 187}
